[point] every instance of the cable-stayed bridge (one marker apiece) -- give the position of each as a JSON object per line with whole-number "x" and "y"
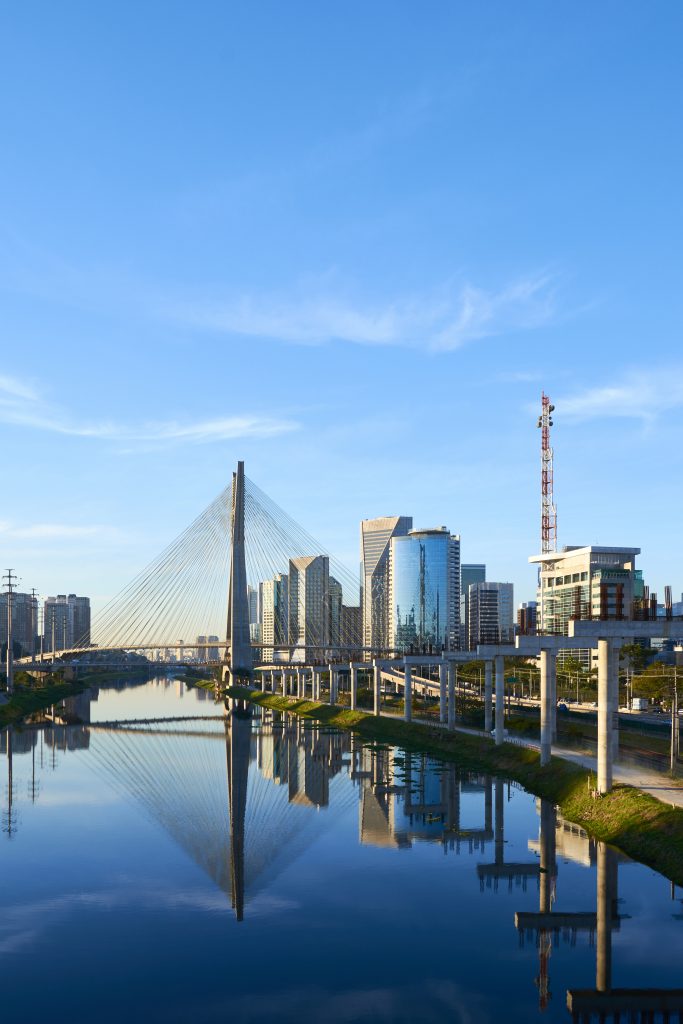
{"x": 194, "y": 597}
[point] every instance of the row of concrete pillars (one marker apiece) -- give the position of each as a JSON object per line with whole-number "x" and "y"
{"x": 306, "y": 681}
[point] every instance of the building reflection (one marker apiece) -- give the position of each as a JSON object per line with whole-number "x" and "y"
{"x": 263, "y": 798}
{"x": 63, "y": 727}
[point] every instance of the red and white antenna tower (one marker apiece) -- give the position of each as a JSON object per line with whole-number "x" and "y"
{"x": 548, "y": 509}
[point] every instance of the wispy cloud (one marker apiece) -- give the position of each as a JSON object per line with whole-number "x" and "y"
{"x": 637, "y": 394}
{"x": 15, "y": 390}
{"x": 22, "y": 404}
{"x": 520, "y": 376}
{"x": 54, "y": 531}
{"x": 441, "y": 321}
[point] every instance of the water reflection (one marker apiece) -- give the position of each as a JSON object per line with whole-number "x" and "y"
{"x": 247, "y": 794}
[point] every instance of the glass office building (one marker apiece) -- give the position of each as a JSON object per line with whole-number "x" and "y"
{"x": 424, "y": 573}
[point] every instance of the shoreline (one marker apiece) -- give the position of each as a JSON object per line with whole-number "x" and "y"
{"x": 28, "y": 700}
{"x": 643, "y": 828}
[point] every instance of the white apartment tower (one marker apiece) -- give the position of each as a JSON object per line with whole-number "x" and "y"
{"x": 375, "y": 539}
{"x": 275, "y": 613}
{"x": 309, "y": 605}
{"x": 491, "y": 614}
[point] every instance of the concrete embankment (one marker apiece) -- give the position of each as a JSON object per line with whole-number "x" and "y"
{"x": 642, "y": 827}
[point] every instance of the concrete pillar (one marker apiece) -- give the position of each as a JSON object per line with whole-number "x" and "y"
{"x": 603, "y": 949}
{"x": 604, "y": 718}
{"x": 614, "y": 698}
{"x": 377, "y": 686}
{"x": 333, "y": 685}
{"x": 488, "y": 696}
{"x": 548, "y": 673}
{"x": 354, "y": 686}
{"x": 499, "y": 822}
{"x": 547, "y": 852}
{"x": 408, "y": 693}
{"x": 283, "y": 680}
{"x": 263, "y": 681}
{"x": 553, "y": 704}
{"x": 500, "y": 698}
{"x": 443, "y": 692}
{"x": 452, "y": 670}
{"x": 488, "y": 803}
{"x": 452, "y": 781}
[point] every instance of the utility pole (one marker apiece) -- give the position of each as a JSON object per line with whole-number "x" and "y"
{"x": 674, "y": 724}
{"x": 10, "y": 585}
{"x": 34, "y": 621}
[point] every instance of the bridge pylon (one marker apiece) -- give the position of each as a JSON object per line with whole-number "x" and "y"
{"x": 241, "y": 663}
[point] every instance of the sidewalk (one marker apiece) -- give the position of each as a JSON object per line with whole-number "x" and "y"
{"x": 658, "y": 785}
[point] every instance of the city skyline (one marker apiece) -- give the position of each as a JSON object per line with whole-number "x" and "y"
{"x": 341, "y": 407}
{"x": 409, "y": 269}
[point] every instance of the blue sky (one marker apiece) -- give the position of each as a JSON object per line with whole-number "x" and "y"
{"x": 349, "y": 243}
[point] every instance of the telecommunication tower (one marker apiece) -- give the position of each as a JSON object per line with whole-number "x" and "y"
{"x": 548, "y": 509}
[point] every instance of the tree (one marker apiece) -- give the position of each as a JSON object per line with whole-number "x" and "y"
{"x": 636, "y": 655}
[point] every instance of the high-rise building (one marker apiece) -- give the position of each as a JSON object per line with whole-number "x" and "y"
{"x": 24, "y": 623}
{"x": 375, "y": 537}
{"x": 470, "y": 572}
{"x": 335, "y": 599}
{"x": 352, "y": 629}
{"x": 309, "y": 606}
{"x": 205, "y": 653}
{"x": 527, "y": 618}
{"x": 491, "y": 614}
{"x": 424, "y": 590}
{"x": 275, "y": 614}
{"x": 66, "y": 622}
{"x": 81, "y": 620}
{"x": 254, "y": 605}
{"x": 584, "y": 583}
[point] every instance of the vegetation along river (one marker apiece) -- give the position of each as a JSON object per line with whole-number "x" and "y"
{"x": 162, "y": 861}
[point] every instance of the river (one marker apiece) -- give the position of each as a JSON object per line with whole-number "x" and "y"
{"x": 160, "y": 862}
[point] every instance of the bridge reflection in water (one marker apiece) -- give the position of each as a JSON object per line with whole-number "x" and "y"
{"x": 239, "y": 803}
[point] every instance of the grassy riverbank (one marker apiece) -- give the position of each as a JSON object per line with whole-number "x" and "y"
{"x": 644, "y": 828}
{"x": 26, "y": 700}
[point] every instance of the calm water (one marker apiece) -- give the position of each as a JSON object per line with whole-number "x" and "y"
{"x": 268, "y": 870}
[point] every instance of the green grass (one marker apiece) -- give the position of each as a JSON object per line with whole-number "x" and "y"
{"x": 644, "y": 828}
{"x": 205, "y": 684}
{"x": 27, "y": 700}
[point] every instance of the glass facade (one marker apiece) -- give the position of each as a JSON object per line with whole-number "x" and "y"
{"x": 424, "y": 591}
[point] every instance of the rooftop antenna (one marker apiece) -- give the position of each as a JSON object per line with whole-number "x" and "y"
{"x": 548, "y": 508}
